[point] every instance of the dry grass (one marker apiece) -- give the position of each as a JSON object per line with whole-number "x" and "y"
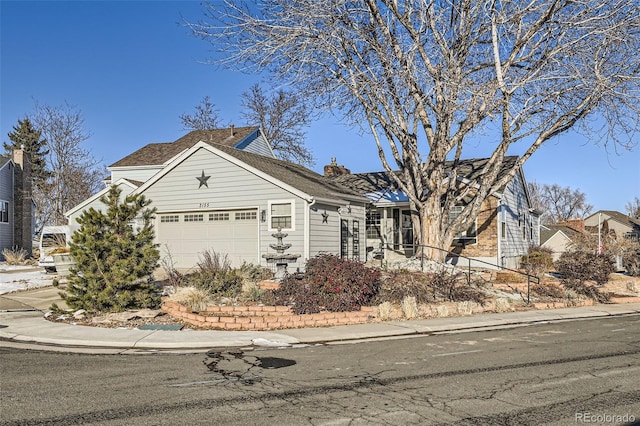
{"x": 15, "y": 256}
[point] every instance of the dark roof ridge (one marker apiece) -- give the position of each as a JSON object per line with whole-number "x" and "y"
{"x": 157, "y": 153}
{"x": 290, "y": 173}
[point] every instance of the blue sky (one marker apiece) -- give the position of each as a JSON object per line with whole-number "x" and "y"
{"x": 132, "y": 70}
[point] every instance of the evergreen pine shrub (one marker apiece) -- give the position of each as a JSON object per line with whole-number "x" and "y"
{"x": 115, "y": 257}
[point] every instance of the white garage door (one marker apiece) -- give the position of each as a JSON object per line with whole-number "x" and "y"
{"x": 188, "y": 235}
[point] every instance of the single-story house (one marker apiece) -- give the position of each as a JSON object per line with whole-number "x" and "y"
{"x": 614, "y": 223}
{"x": 505, "y": 227}
{"x": 16, "y": 203}
{"x": 558, "y": 238}
{"x": 223, "y": 190}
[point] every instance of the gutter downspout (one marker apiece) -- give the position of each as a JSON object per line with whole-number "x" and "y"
{"x": 307, "y": 228}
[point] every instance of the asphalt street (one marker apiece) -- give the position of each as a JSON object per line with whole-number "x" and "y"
{"x": 570, "y": 372}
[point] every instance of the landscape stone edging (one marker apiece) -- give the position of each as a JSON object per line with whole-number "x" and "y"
{"x": 264, "y": 317}
{"x": 261, "y": 318}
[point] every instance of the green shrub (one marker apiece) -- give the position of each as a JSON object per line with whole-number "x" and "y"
{"x": 331, "y": 283}
{"x": 215, "y": 275}
{"x": 538, "y": 260}
{"x": 255, "y": 272}
{"x": 114, "y": 261}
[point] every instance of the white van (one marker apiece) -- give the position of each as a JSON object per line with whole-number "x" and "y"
{"x": 52, "y": 238}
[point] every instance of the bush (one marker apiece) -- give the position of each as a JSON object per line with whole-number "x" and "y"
{"x": 454, "y": 288}
{"x": 547, "y": 290}
{"x": 538, "y": 260}
{"x": 331, "y": 283}
{"x": 255, "y": 272}
{"x": 14, "y": 256}
{"x": 578, "y": 267}
{"x": 581, "y": 266}
{"x": 402, "y": 283}
{"x": 304, "y": 297}
{"x": 631, "y": 261}
{"x": 215, "y": 275}
{"x": 580, "y": 287}
{"x": 114, "y": 261}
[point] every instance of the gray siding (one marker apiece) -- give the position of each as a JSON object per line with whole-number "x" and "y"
{"x": 515, "y": 211}
{"x": 96, "y": 204}
{"x": 257, "y": 144}
{"x": 324, "y": 237}
{"x": 229, "y": 187}
{"x": 6, "y": 194}
{"x": 134, "y": 173}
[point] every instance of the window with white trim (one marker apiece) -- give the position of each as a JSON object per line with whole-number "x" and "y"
{"x": 470, "y": 236}
{"x": 217, "y": 217}
{"x": 281, "y": 215}
{"x": 503, "y": 223}
{"x": 4, "y": 211}
{"x": 165, "y": 218}
{"x": 197, "y": 217}
{"x": 248, "y": 215}
{"x": 373, "y": 225}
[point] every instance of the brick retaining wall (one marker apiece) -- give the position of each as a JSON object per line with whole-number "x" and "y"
{"x": 264, "y": 317}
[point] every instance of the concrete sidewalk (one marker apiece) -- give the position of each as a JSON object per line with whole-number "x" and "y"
{"x": 22, "y": 321}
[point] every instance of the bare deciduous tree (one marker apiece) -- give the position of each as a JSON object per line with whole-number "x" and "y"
{"x": 633, "y": 208}
{"x": 205, "y": 117}
{"x": 282, "y": 118}
{"x": 427, "y": 75}
{"x": 559, "y": 203}
{"x": 74, "y": 174}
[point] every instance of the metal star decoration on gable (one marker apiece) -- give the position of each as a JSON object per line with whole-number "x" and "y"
{"x": 203, "y": 180}
{"x": 325, "y": 217}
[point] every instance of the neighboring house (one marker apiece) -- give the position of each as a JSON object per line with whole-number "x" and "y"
{"x": 558, "y": 238}
{"x": 613, "y": 223}
{"x": 505, "y": 227}
{"x": 16, "y": 203}
{"x": 223, "y": 190}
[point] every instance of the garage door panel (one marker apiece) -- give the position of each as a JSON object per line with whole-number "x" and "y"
{"x": 238, "y": 239}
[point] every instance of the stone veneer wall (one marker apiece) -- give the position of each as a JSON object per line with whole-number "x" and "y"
{"x": 264, "y": 317}
{"x": 487, "y": 245}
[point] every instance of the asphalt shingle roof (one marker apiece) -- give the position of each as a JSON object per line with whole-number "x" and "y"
{"x": 551, "y": 230}
{"x": 622, "y": 218}
{"x": 158, "y": 153}
{"x": 368, "y": 183}
{"x": 292, "y": 174}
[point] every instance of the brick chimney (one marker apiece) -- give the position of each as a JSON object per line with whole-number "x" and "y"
{"x": 575, "y": 224}
{"x": 22, "y": 201}
{"x": 333, "y": 169}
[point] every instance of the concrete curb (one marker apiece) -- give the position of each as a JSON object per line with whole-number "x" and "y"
{"x": 32, "y": 328}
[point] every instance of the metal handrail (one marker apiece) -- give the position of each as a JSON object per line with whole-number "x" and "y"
{"x": 529, "y": 277}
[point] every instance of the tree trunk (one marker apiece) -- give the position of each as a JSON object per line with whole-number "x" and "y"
{"x": 434, "y": 245}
